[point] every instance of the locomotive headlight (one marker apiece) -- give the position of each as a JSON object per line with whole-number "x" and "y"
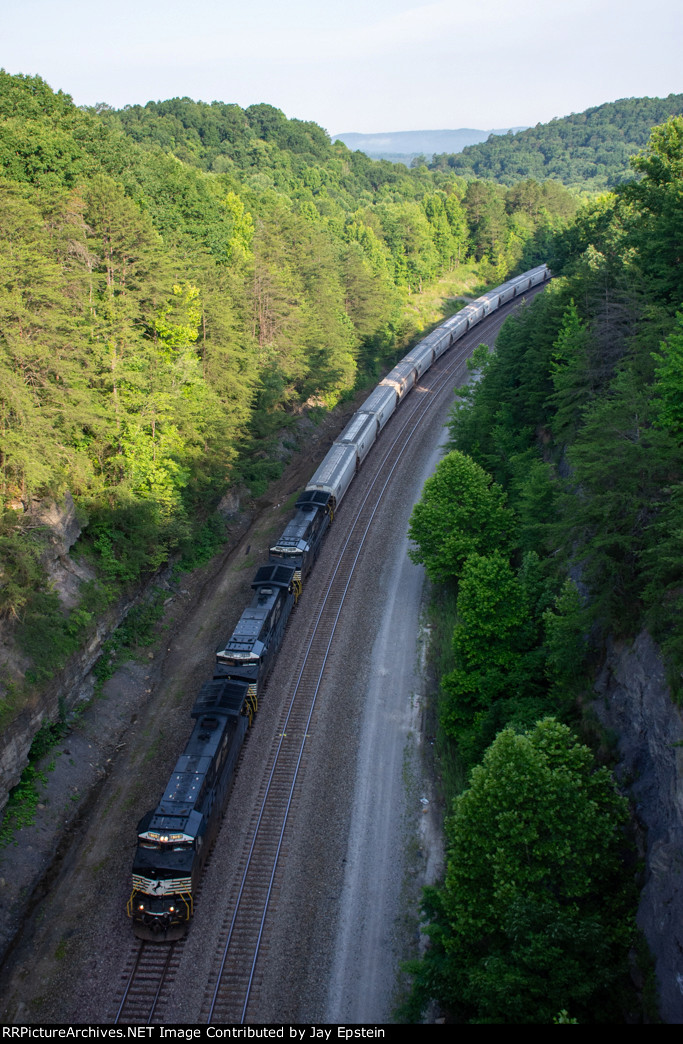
{"x": 141, "y": 906}
{"x": 171, "y": 909}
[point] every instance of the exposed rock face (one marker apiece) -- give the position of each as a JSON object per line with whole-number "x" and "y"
{"x": 230, "y": 505}
{"x": 636, "y": 704}
{"x": 62, "y": 530}
{"x": 17, "y": 738}
{"x": 73, "y": 685}
{"x": 61, "y": 523}
{"x": 59, "y": 529}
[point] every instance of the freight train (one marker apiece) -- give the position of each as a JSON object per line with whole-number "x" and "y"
{"x": 175, "y": 838}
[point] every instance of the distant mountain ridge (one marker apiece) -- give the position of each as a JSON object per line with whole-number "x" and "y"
{"x": 407, "y": 144}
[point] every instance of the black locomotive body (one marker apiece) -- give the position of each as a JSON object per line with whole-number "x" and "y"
{"x": 175, "y": 838}
{"x": 249, "y": 653}
{"x": 300, "y": 542}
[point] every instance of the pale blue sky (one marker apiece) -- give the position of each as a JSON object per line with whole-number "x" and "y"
{"x": 354, "y": 66}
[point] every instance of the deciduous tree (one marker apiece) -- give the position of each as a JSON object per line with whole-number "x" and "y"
{"x": 533, "y": 916}
{"x": 461, "y": 511}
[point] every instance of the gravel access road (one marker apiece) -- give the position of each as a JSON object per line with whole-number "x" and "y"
{"x": 394, "y": 841}
{"x": 367, "y": 834}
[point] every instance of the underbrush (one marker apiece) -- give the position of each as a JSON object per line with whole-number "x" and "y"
{"x": 442, "y": 619}
{"x": 135, "y": 632}
{"x": 23, "y": 801}
{"x": 441, "y": 299}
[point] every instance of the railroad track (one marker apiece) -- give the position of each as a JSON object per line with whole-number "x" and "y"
{"x": 147, "y": 981}
{"x": 235, "y": 974}
{"x": 147, "y": 978}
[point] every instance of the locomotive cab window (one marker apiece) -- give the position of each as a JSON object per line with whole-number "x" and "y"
{"x": 167, "y": 842}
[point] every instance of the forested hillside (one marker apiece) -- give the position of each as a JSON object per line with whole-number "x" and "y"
{"x": 178, "y": 282}
{"x": 588, "y": 150}
{"x": 555, "y": 524}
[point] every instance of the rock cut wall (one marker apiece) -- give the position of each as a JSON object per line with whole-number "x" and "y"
{"x": 636, "y": 705}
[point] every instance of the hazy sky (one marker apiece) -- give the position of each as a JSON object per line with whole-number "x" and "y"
{"x": 354, "y": 66}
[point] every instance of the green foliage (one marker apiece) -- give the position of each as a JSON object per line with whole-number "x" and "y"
{"x": 21, "y": 571}
{"x": 130, "y": 540}
{"x": 497, "y": 420}
{"x": 499, "y": 657}
{"x": 658, "y": 199}
{"x": 533, "y": 918}
{"x": 669, "y": 382}
{"x": 565, "y": 629}
{"x": 619, "y": 465}
{"x": 571, "y": 375}
{"x": 23, "y": 799}
{"x": 136, "y": 631}
{"x": 491, "y": 608}
{"x": 205, "y": 543}
{"x": 461, "y": 512}
{"x": 577, "y": 416}
{"x": 663, "y": 577}
{"x": 45, "y": 632}
{"x": 48, "y": 636}
{"x": 590, "y": 150}
{"x": 535, "y": 491}
{"x": 179, "y": 280}
{"x": 576, "y": 413}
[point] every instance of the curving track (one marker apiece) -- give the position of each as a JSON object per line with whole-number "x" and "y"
{"x": 235, "y": 974}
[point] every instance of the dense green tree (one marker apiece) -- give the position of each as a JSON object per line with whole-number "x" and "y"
{"x": 497, "y": 420}
{"x": 177, "y": 281}
{"x": 461, "y": 512}
{"x": 577, "y": 416}
{"x": 565, "y": 624}
{"x": 571, "y": 375}
{"x": 669, "y": 383}
{"x": 659, "y": 200}
{"x": 39, "y": 343}
{"x": 534, "y": 492}
{"x": 408, "y": 235}
{"x": 619, "y": 464}
{"x": 457, "y": 220}
{"x": 487, "y": 221}
{"x": 499, "y": 675}
{"x": 533, "y": 918}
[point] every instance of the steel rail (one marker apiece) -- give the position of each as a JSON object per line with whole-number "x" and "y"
{"x": 406, "y": 432}
{"x": 443, "y": 371}
{"x": 151, "y": 989}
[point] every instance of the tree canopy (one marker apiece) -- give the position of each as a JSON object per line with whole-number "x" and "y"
{"x": 589, "y": 150}
{"x": 576, "y": 416}
{"x": 178, "y": 282}
{"x": 461, "y": 511}
{"x": 532, "y": 919}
